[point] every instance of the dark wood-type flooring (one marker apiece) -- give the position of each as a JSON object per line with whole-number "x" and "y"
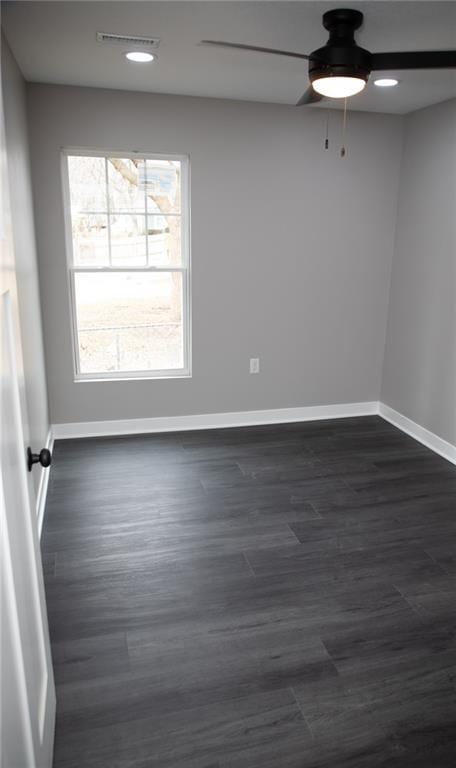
{"x": 265, "y": 597}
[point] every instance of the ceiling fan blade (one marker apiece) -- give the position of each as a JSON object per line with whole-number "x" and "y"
{"x": 309, "y": 97}
{"x": 414, "y": 60}
{"x": 242, "y": 47}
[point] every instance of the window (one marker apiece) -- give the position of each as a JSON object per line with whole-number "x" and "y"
{"x": 128, "y": 264}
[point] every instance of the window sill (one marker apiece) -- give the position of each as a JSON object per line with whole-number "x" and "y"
{"x": 123, "y": 379}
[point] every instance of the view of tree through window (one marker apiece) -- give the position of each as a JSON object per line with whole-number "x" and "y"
{"x": 129, "y": 265}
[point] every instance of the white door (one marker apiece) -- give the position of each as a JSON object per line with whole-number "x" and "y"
{"x": 27, "y": 682}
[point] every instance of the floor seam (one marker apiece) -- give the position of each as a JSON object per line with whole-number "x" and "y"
{"x": 249, "y": 565}
{"x": 302, "y": 712}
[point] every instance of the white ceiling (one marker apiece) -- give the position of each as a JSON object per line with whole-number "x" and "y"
{"x": 54, "y": 42}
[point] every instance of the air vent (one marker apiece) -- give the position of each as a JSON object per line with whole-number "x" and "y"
{"x": 143, "y": 42}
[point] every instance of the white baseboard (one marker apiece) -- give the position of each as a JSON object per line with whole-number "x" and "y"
{"x": 212, "y": 420}
{"x": 43, "y": 485}
{"x": 423, "y": 435}
{"x": 249, "y": 418}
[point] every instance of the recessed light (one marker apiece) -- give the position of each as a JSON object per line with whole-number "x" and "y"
{"x": 139, "y": 56}
{"x": 386, "y": 82}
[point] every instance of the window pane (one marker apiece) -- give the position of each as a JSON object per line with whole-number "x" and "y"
{"x": 129, "y": 321}
{"x": 90, "y": 240}
{"x": 128, "y": 240}
{"x": 164, "y": 240}
{"x": 126, "y": 194}
{"x": 162, "y": 180}
{"x": 87, "y": 184}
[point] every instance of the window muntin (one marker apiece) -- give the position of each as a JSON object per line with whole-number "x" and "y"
{"x": 128, "y": 264}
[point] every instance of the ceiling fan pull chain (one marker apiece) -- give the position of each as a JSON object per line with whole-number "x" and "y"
{"x": 343, "y": 149}
{"x": 327, "y": 132}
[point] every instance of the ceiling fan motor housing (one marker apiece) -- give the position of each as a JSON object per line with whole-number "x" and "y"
{"x": 341, "y": 56}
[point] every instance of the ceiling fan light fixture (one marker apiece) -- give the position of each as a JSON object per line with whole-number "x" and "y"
{"x": 336, "y": 87}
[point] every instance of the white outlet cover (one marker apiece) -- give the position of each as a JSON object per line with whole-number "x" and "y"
{"x": 254, "y": 365}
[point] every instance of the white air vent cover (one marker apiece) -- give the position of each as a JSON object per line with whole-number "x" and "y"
{"x": 143, "y": 42}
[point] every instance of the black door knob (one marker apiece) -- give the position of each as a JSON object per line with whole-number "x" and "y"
{"x": 43, "y": 457}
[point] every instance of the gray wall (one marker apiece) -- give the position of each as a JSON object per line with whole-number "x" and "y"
{"x": 419, "y": 377}
{"x": 25, "y": 250}
{"x": 291, "y": 248}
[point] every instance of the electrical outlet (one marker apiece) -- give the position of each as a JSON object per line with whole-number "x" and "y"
{"x": 254, "y": 365}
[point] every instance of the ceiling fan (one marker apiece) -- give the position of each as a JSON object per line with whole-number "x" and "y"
{"x": 342, "y": 68}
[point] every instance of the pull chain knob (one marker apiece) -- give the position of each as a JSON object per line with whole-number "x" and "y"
{"x": 43, "y": 457}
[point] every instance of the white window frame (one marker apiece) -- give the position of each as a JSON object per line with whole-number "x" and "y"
{"x": 184, "y": 269}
